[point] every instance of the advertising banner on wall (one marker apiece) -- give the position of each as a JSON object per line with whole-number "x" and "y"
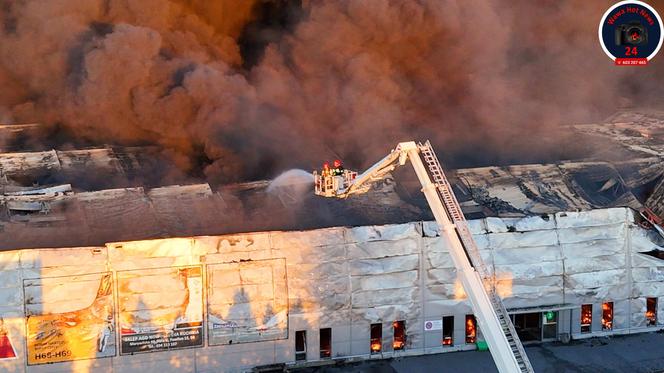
{"x": 7, "y": 350}
{"x": 69, "y": 318}
{"x": 247, "y": 302}
{"x": 160, "y": 309}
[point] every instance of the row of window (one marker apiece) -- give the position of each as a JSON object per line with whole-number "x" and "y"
{"x": 301, "y": 343}
{"x": 398, "y": 337}
{"x": 376, "y": 337}
{"x": 607, "y": 315}
{"x": 399, "y": 329}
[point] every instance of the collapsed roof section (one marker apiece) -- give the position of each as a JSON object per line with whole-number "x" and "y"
{"x": 640, "y": 132}
{"x": 656, "y": 200}
{"x": 541, "y": 189}
{"x": 60, "y": 216}
{"x": 53, "y": 198}
{"x": 49, "y": 167}
{"x": 85, "y": 169}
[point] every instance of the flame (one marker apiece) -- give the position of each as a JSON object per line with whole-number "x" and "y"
{"x": 607, "y": 323}
{"x": 375, "y": 346}
{"x": 399, "y": 335}
{"x": 470, "y": 330}
{"x": 607, "y": 316}
{"x": 651, "y": 316}
{"x": 586, "y": 315}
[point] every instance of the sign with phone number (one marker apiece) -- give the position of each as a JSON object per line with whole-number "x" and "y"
{"x": 631, "y": 33}
{"x": 160, "y": 341}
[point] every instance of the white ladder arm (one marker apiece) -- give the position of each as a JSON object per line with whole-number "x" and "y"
{"x": 473, "y": 285}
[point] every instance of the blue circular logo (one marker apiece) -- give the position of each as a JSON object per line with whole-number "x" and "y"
{"x": 631, "y": 33}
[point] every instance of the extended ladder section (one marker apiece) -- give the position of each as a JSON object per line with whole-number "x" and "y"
{"x": 494, "y": 321}
{"x": 496, "y": 326}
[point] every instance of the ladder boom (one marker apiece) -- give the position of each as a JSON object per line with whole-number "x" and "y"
{"x": 504, "y": 344}
{"x": 375, "y": 172}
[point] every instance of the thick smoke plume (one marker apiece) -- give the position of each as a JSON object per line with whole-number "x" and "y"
{"x": 241, "y": 90}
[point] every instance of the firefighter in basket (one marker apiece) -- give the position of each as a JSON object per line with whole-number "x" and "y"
{"x": 332, "y": 181}
{"x": 326, "y": 170}
{"x": 338, "y": 169}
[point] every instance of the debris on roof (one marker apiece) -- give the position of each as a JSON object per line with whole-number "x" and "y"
{"x": 656, "y": 200}
{"x": 12, "y": 134}
{"x": 641, "y": 132}
{"x": 47, "y": 199}
{"x": 65, "y": 218}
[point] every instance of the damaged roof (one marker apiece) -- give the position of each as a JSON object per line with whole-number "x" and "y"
{"x": 44, "y": 204}
{"x": 59, "y": 217}
{"x": 640, "y": 132}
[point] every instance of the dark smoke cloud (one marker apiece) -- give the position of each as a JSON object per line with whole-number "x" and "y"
{"x": 241, "y": 90}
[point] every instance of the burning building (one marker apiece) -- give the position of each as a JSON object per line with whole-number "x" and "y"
{"x": 135, "y": 236}
{"x": 230, "y": 277}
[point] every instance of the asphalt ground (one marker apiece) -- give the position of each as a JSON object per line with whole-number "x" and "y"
{"x": 632, "y": 353}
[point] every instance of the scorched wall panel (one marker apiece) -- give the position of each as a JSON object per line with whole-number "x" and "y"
{"x": 247, "y": 302}
{"x": 261, "y": 288}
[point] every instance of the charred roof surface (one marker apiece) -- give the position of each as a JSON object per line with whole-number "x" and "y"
{"x": 77, "y": 213}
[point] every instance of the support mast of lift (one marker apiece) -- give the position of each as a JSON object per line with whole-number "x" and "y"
{"x": 504, "y": 344}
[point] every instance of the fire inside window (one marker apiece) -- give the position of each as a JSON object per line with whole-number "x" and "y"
{"x": 301, "y": 345}
{"x": 607, "y": 316}
{"x": 651, "y": 311}
{"x": 399, "y": 341}
{"x": 325, "y": 343}
{"x": 448, "y": 330}
{"x": 586, "y": 318}
{"x": 471, "y": 329}
{"x": 376, "y": 338}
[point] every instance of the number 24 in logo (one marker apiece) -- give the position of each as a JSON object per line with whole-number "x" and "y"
{"x": 631, "y": 51}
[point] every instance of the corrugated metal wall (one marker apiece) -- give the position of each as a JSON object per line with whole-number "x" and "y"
{"x": 226, "y": 303}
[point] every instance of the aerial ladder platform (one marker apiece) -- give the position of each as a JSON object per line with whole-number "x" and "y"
{"x": 504, "y": 344}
